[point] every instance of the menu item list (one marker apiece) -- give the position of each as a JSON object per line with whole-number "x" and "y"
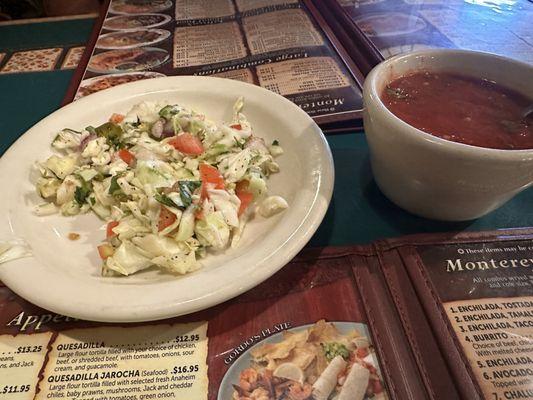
{"x": 487, "y": 295}
{"x": 160, "y": 361}
{"x": 21, "y": 359}
{"x": 300, "y": 76}
{"x": 209, "y": 44}
{"x": 497, "y": 337}
{"x": 199, "y": 9}
{"x": 280, "y": 30}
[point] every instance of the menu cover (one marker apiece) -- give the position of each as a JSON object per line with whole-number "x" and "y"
{"x": 390, "y": 27}
{"x": 421, "y": 317}
{"x": 281, "y": 45}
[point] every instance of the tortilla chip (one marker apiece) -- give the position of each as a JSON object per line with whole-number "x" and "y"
{"x": 259, "y": 353}
{"x": 274, "y": 351}
{"x": 321, "y": 363}
{"x": 301, "y": 356}
{"x": 304, "y": 348}
{"x": 325, "y": 332}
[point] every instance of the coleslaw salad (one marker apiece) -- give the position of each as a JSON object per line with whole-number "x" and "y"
{"x": 171, "y": 184}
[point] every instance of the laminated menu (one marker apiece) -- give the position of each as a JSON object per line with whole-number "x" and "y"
{"x": 201, "y": 45}
{"x": 281, "y": 45}
{"x": 280, "y": 30}
{"x": 446, "y": 316}
{"x": 400, "y": 26}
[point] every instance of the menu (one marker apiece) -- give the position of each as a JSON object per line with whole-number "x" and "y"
{"x": 490, "y": 309}
{"x": 275, "y": 340}
{"x": 277, "y": 44}
{"x": 401, "y": 26}
{"x": 445, "y": 316}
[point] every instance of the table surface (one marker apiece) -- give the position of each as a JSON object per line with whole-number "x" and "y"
{"x": 358, "y": 212}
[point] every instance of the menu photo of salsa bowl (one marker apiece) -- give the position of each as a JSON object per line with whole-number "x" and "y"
{"x": 317, "y": 361}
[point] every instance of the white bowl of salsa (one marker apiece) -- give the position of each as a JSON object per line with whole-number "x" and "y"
{"x": 446, "y": 136}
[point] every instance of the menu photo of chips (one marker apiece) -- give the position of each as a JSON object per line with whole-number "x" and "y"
{"x": 325, "y": 360}
{"x": 139, "y": 6}
{"x": 135, "y": 22}
{"x": 131, "y": 39}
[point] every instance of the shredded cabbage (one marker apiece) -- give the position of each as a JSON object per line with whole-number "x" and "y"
{"x": 170, "y": 184}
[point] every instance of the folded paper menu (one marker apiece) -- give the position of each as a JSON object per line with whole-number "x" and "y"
{"x": 427, "y": 316}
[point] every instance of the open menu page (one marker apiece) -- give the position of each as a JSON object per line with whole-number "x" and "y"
{"x": 303, "y": 334}
{"x": 427, "y": 316}
{"x": 402, "y": 26}
{"x": 476, "y": 292}
{"x": 486, "y": 291}
{"x": 276, "y": 44}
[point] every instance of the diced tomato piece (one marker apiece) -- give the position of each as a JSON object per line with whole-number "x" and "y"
{"x": 187, "y": 144}
{"x": 246, "y": 198}
{"x": 236, "y": 126}
{"x": 126, "y": 156}
{"x": 241, "y": 186}
{"x": 377, "y": 387}
{"x": 362, "y": 352}
{"x": 166, "y": 218}
{"x": 210, "y": 174}
{"x": 244, "y": 195}
{"x": 110, "y": 227}
{"x": 210, "y": 177}
{"x": 105, "y": 250}
{"x": 116, "y": 118}
{"x": 199, "y": 214}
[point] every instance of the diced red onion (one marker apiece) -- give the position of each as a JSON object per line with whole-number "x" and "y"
{"x": 157, "y": 128}
{"x": 86, "y": 140}
{"x": 256, "y": 143}
{"x": 168, "y": 129}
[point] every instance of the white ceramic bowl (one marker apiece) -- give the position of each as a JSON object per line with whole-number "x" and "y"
{"x": 433, "y": 177}
{"x": 64, "y": 275}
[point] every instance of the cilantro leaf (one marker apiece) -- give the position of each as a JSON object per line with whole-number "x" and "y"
{"x": 186, "y": 190}
{"x": 168, "y": 112}
{"x": 114, "y": 187}
{"x": 165, "y": 200}
{"x": 82, "y": 192}
{"x": 112, "y": 132}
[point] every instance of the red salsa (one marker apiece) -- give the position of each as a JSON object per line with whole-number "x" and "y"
{"x": 462, "y": 109}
